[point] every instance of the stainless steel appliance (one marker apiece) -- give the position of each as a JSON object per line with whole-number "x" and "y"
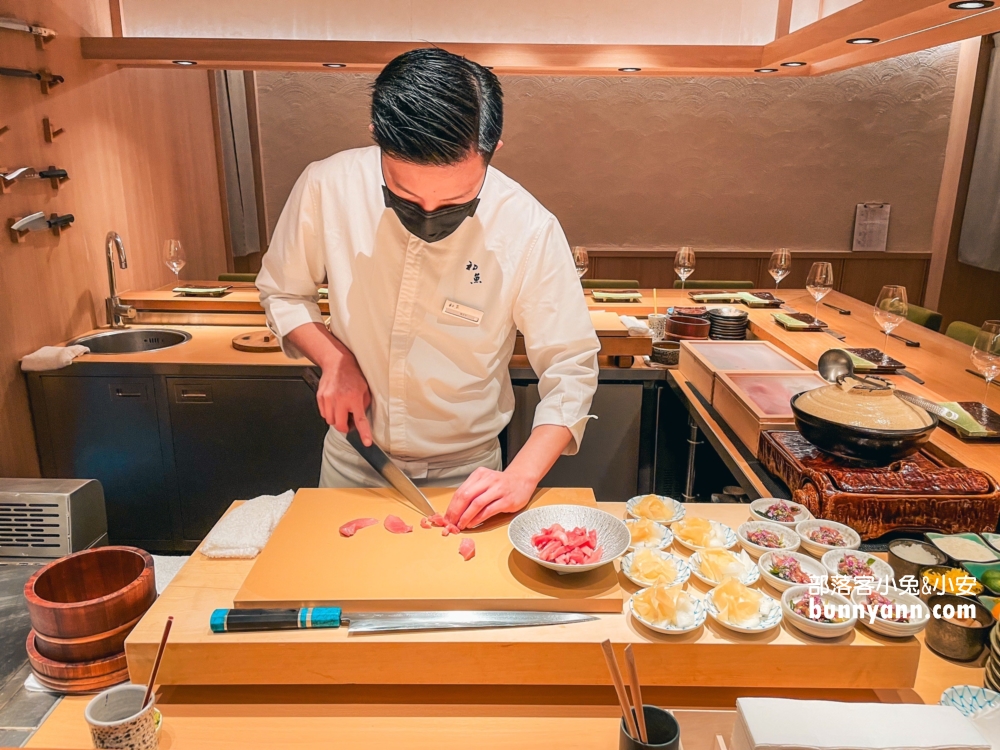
{"x": 51, "y": 517}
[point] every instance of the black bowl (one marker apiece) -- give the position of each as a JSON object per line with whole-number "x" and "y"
{"x": 879, "y": 447}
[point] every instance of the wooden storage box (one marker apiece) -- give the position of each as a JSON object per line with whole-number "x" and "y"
{"x": 701, "y": 360}
{"x": 752, "y": 401}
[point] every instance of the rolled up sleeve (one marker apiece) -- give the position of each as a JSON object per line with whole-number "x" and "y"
{"x": 293, "y": 267}
{"x": 559, "y": 338}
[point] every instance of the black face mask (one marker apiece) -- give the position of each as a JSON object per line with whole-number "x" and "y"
{"x": 430, "y": 226}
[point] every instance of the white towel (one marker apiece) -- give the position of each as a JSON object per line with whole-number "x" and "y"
{"x": 988, "y": 724}
{"x": 243, "y": 532}
{"x": 51, "y": 358}
{"x": 635, "y": 326}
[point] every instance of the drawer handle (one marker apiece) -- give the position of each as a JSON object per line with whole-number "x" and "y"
{"x": 193, "y": 394}
{"x": 122, "y": 393}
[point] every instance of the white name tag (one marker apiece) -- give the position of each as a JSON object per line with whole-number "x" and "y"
{"x": 461, "y": 311}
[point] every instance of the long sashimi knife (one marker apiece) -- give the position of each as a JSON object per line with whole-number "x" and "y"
{"x": 249, "y": 620}
{"x": 378, "y": 460}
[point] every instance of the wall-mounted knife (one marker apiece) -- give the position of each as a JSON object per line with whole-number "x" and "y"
{"x": 37, "y": 222}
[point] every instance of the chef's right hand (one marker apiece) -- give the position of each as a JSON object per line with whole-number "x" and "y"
{"x": 343, "y": 395}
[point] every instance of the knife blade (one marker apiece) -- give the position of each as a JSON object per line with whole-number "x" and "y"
{"x": 32, "y": 223}
{"x": 249, "y": 620}
{"x": 910, "y": 375}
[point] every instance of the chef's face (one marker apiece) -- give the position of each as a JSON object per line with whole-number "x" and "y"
{"x": 432, "y": 187}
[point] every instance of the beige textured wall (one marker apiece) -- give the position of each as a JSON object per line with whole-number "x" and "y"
{"x": 710, "y": 162}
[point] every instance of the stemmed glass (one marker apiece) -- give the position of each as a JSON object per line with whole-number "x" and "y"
{"x": 819, "y": 283}
{"x": 986, "y": 354}
{"x": 581, "y": 260}
{"x": 174, "y": 257}
{"x": 780, "y": 265}
{"x": 684, "y": 263}
{"x": 890, "y": 311}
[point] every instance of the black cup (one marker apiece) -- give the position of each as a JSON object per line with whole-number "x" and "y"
{"x": 662, "y": 730}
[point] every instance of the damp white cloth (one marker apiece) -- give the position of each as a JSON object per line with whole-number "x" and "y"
{"x": 988, "y": 724}
{"x": 51, "y": 358}
{"x": 166, "y": 567}
{"x": 243, "y": 532}
{"x": 635, "y": 326}
{"x": 783, "y": 724}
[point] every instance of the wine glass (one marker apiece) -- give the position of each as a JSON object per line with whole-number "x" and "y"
{"x": 581, "y": 260}
{"x": 684, "y": 263}
{"x": 780, "y": 265}
{"x": 890, "y": 311}
{"x": 986, "y": 354}
{"x": 819, "y": 282}
{"x": 174, "y": 257}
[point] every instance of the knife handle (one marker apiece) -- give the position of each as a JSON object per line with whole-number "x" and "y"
{"x": 250, "y": 620}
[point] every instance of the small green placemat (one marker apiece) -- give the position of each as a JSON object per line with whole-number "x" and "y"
{"x": 965, "y": 421}
{"x": 790, "y": 322}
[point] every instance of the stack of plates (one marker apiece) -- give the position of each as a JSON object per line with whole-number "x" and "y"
{"x": 728, "y": 324}
{"x": 991, "y": 677}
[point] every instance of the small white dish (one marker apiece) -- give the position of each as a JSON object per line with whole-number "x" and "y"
{"x": 728, "y": 534}
{"x": 770, "y": 616}
{"x": 757, "y": 508}
{"x": 816, "y": 549}
{"x": 612, "y": 536}
{"x": 700, "y": 615}
{"x": 665, "y": 540}
{"x": 679, "y": 509}
{"x": 683, "y": 569}
{"x": 810, "y": 566}
{"x": 881, "y": 570}
{"x": 748, "y": 578}
{"x": 789, "y": 539}
{"x": 811, "y": 627}
{"x": 890, "y": 627}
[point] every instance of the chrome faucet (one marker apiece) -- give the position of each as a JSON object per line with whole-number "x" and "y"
{"x": 116, "y": 310}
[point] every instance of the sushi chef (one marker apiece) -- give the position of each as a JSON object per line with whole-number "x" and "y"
{"x": 433, "y": 260}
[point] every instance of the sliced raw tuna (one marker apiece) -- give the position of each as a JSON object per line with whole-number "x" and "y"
{"x": 467, "y": 549}
{"x": 397, "y": 525}
{"x": 575, "y": 547}
{"x": 446, "y": 528}
{"x": 425, "y": 523}
{"x": 351, "y": 527}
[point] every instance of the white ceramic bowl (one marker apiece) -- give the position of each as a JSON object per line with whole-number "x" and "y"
{"x": 757, "y": 508}
{"x": 700, "y": 615}
{"x": 811, "y": 627}
{"x": 802, "y": 528}
{"x": 666, "y": 535}
{"x": 683, "y": 569}
{"x": 881, "y": 570}
{"x": 888, "y": 627}
{"x": 770, "y": 610}
{"x": 789, "y": 539}
{"x": 749, "y": 577}
{"x": 728, "y": 534}
{"x": 679, "y": 509}
{"x": 810, "y": 567}
{"x": 612, "y": 535}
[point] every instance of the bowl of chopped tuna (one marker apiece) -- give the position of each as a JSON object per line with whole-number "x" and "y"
{"x": 853, "y": 568}
{"x": 569, "y": 538}
{"x": 782, "y": 512}
{"x": 890, "y": 611}
{"x": 819, "y": 537}
{"x": 782, "y": 570}
{"x": 758, "y": 537}
{"x": 826, "y": 615}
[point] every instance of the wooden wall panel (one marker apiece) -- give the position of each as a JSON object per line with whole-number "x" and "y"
{"x": 864, "y": 279}
{"x": 139, "y": 149}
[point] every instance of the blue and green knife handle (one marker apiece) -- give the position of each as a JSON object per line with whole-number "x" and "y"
{"x": 248, "y": 620}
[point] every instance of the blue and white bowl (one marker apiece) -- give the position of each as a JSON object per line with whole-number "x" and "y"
{"x": 770, "y": 612}
{"x": 970, "y": 700}
{"x": 679, "y": 509}
{"x": 700, "y": 615}
{"x": 665, "y": 540}
{"x": 683, "y": 569}
{"x": 729, "y": 536}
{"x": 750, "y": 576}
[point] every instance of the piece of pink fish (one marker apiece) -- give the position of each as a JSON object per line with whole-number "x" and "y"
{"x": 438, "y": 520}
{"x": 397, "y": 525}
{"x": 351, "y": 527}
{"x": 467, "y": 549}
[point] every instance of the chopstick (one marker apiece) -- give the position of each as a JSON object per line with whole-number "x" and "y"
{"x": 908, "y": 342}
{"x": 156, "y": 662}
{"x": 654, "y": 300}
{"x": 616, "y": 678}
{"x": 636, "y": 690}
{"x": 841, "y": 310}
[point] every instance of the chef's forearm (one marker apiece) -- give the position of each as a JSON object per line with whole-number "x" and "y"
{"x": 320, "y": 346}
{"x": 542, "y": 449}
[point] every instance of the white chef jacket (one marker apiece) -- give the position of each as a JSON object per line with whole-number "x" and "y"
{"x": 439, "y": 383}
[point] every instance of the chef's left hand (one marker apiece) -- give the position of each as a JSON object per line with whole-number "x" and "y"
{"x": 486, "y": 493}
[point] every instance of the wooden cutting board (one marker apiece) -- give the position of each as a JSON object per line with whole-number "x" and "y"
{"x": 307, "y": 562}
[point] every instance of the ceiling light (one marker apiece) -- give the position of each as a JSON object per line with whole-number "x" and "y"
{"x": 334, "y": 65}
{"x": 766, "y": 70}
{"x": 184, "y": 62}
{"x": 971, "y": 5}
{"x": 793, "y": 64}
{"x": 629, "y": 70}
{"x": 863, "y": 40}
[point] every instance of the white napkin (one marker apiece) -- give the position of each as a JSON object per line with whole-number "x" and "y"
{"x": 988, "y": 724}
{"x": 51, "y": 358}
{"x": 635, "y": 326}
{"x": 243, "y": 532}
{"x": 782, "y": 724}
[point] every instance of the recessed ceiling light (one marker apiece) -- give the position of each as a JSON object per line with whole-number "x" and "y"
{"x": 629, "y": 70}
{"x": 793, "y": 64}
{"x": 334, "y": 65}
{"x": 971, "y": 5}
{"x": 766, "y": 70}
{"x": 863, "y": 40}
{"x": 184, "y": 62}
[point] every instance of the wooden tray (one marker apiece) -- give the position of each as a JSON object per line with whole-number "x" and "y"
{"x": 307, "y": 562}
{"x": 701, "y": 360}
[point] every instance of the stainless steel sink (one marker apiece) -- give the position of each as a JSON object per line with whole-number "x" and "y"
{"x": 129, "y": 340}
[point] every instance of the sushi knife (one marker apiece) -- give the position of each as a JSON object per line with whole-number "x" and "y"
{"x": 247, "y": 620}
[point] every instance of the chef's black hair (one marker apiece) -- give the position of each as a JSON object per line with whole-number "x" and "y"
{"x": 430, "y": 106}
